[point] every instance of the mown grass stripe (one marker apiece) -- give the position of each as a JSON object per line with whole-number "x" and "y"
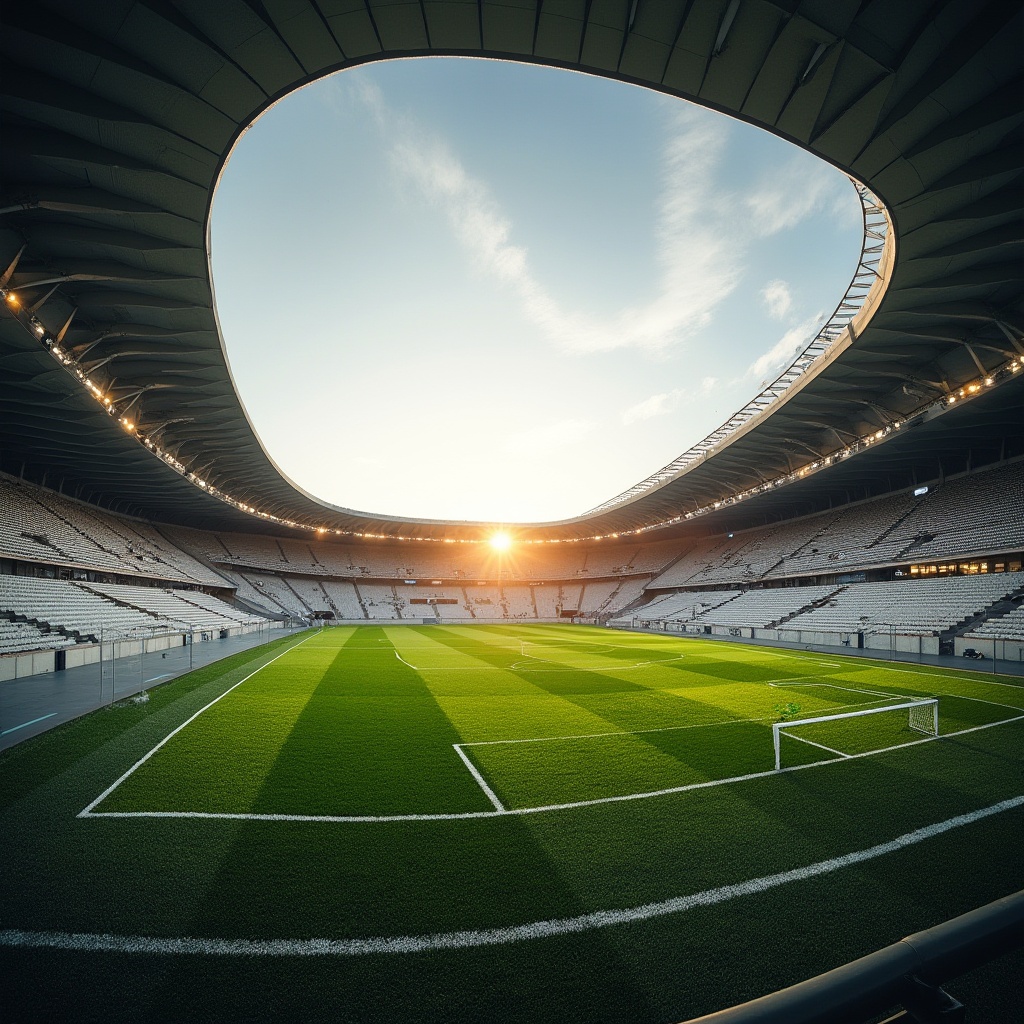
{"x": 145, "y": 757}
{"x": 101, "y": 943}
{"x": 371, "y": 738}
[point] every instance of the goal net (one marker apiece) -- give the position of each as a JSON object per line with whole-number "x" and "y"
{"x": 921, "y": 716}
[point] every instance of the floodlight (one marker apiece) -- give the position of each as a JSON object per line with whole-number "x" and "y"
{"x": 501, "y": 542}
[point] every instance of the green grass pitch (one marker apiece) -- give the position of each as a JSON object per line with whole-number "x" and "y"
{"x": 519, "y": 822}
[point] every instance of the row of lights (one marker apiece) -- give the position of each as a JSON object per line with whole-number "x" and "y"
{"x": 964, "y": 393}
{"x": 969, "y": 390}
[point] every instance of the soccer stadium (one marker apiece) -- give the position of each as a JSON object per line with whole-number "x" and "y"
{"x": 743, "y": 742}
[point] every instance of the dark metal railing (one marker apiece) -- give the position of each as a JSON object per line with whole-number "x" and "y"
{"x": 907, "y": 974}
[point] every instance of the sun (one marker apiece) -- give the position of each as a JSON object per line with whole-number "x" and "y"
{"x": 501, "y": 542}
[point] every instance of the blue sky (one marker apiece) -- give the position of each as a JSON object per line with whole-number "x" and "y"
{"x": 465, "y": 289}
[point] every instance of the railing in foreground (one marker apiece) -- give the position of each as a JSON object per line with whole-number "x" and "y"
{"x": 908, "y": 973}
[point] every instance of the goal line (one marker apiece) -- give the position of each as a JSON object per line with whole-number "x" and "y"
{"x": 922, "y": 716}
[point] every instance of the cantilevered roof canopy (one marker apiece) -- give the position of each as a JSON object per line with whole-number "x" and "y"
{"x": 120, "y": 114}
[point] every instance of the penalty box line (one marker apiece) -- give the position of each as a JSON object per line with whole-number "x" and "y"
{"x": 87, "y": 811}
{"x": 663, "y": 728}
{"x": 474, "y": 771}
{"x": 543, "y": 808}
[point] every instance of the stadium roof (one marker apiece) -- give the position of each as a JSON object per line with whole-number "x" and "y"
{"x": 120, "y": 114}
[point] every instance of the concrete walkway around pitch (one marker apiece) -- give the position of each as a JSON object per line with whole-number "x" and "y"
{"x": 998, "y": 666}
{"x": 34, "y": 704}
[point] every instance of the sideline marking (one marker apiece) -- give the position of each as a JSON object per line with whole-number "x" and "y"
{"x": 106, "y": 943}
{"x": 86, "y": 812}
{"x": 15, "y": 728}
{"x": 498, "y": 805}
{"x": 571, "y": 806}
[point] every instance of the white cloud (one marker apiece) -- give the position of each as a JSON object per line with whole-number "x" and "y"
{"x": 699, "y": 263}
{"x": 560, "y": 434}
{"x": 777, "y": 298}
{"x": 790, "y": 194}
{"x": 700, "y": 238}
{"x": 784, "y": 351}
{"x": 656, "y": 405}
{"x": 665, "y": 402}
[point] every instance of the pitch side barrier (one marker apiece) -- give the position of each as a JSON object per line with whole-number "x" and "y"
{"x": 908, "y": 974}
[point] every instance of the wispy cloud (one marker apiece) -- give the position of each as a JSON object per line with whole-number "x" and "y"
{"x": 656, "y": 405}
{"x": 790, "y": 194}
{"x": 784, "y": 351}
{"x": 698, "y": 261}
{"x": 665, "y": 402}
{"x": 777, "y": 298}
{"x": 559, "y": 434}
{"x": 700, "y": 238}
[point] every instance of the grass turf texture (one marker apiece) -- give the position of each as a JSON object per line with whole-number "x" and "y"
{"x": 362, "y": 721}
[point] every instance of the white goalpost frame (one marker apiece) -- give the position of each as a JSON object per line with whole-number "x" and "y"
{"x": 932, "y": 702}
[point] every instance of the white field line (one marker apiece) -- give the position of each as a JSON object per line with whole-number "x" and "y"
{"x": 515, "y": 646}
{"x": 981, "y": 700}
{"x": 498, "y": 805}
{"x": 415, "y": 668}
{"x": 959, "y": 696}
{"x": 506, "y": 935}
{"x": 560, "y": 666}
{"x": 820, "y": 746}
{"x": 86, "y": 812}
{"x": 943, "y": 673}
{"x": 859, "y": 689}
{"x": 866, "y": 703}
{"x": 907, "y": 696}
{"x": 639, "y": 732}
{"x": 523, "y": 667}
{"x": 800, "y": 656}
{"x": 810, "y": 658}
{"x": 544, "y": 808}
{"x": 782, "y": 684}
{"x": 614, "y": 732}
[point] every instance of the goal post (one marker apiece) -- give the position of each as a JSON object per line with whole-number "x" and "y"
{"x": 922, "y": 717}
